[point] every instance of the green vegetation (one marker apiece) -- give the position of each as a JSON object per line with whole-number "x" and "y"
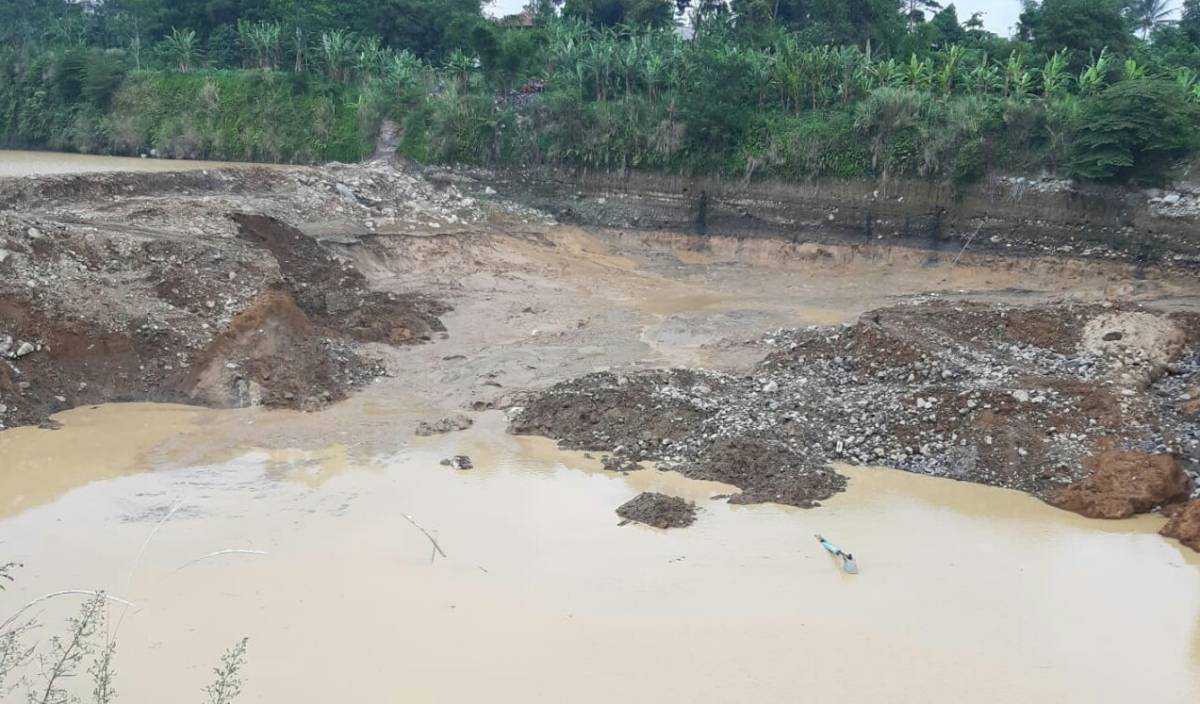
{"x": 1103, "y": 90}
{"x": 51, "y": 671}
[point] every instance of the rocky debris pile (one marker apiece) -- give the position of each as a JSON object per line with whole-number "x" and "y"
{"x": 445, "y": 425}
{"x": 1183, "y": 201}
{"x": 658, "y": 510}
{"x": 1004, "y": 396}
{"x": 352, "y": 200}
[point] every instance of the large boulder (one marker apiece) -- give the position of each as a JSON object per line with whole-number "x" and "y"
{"x": 1185, "y": 525}
{"x": 1125, "y": 483}
{"x": 1140, "y": 345}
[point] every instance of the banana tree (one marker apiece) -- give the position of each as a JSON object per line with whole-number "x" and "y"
{"x": 887, "y": 74}
{"x": 1132, "y": 70}
{"x": 182, "y": 49}
{"x": 262, "y": 40}
{"x": 1018, "y": 81}
{"x": 372, "y": 57}
{"x": 948, "y": 73}
{"x": 985, "y": 78}
{"x": 1055, "y": 78}
{"x": 337, "y": 46}
{"x": 1187, "y": 79}
{"x": 1092, "y": 79}
{"x": 918, "y": 73}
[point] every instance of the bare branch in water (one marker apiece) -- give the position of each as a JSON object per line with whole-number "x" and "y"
{"x": 219, "y": 553}
{"x": 137, "y": 561}
{"x": 437, "y": 548}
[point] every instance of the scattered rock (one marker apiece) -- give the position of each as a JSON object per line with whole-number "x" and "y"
{"x": 458, "y": 462}
{"x": 1125, "y": 483}
{"x": 445, "y": 425}
{"x": 619, "y": 463}
{"x": 658, "y": 510}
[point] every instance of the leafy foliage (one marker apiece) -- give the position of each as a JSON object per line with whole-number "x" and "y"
{"x": 1133, "y": 130}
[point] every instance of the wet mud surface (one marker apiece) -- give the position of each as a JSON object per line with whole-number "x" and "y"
{"x": 982, "y": 589}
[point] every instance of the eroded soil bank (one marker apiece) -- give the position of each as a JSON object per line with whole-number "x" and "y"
{"x": 1011, "y": 214}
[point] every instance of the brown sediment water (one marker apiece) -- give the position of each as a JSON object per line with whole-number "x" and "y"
{"x": 966, "y": 593}
{"x": 37, "y": 163}
{"x": 40, "y": 465}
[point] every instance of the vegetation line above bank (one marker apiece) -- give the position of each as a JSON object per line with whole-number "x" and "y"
{"x": 1102, "y": 90}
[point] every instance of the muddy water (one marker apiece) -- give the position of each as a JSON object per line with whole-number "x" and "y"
{"x": 26, "y": 163}
{"x": 966, "y": 593}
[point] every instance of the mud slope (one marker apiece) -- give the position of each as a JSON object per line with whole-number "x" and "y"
{"x": 124, "y": 287}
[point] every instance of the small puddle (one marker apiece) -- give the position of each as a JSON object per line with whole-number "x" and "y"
{"x": 967, "y": 593}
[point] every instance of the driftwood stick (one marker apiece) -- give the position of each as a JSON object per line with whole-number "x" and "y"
{"x": 437, "y": 549}
{"x": 219, "y": 553}
{"x": 967, "y": 244}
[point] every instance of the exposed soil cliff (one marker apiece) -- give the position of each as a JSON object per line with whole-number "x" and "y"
{"x": 1013, "y": 214}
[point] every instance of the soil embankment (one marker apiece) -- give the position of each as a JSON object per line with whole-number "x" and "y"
{"x": 1015, "y": 215}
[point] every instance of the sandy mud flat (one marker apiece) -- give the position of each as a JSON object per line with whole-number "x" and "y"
{"x": 966, "y": 592}
{"x": 338, "y": 333}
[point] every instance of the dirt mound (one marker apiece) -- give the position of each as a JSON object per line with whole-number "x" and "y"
{"x": 658, "y": 510}
{"x": 654, "y": 415}
{"x": 607, "y": 411}
{"x": 445, "y": 425}
{"x": 1123, "y": 484}
{"x": 767, "y": 470}
{"x": 335, "y": 294}
{"x": 1184, "y": 526}
{"x": 998, "y": 395}
{"x": 272, "y": 355}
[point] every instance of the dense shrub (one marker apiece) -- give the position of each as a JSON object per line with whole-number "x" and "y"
{"x": 1133, "y": 130}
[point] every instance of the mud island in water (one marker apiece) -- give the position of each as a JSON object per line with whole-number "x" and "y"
{"x": 392, "y": 316}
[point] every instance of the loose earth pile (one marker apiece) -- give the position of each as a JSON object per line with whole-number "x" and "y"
{"x": 1074, "y": 404}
